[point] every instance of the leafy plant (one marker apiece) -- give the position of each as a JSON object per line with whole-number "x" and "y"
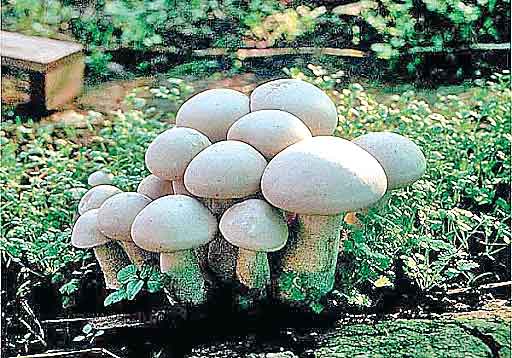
{"x": 133, "y": 280}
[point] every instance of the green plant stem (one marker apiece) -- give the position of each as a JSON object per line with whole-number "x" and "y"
{"x": 186, "y": 279}
{"x": 310, "y": 260}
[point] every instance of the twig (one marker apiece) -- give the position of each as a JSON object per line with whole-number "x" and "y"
{"x": 74, "y": 354}
{"x": 475, "y": 46}
{"x": 483, "y": 287}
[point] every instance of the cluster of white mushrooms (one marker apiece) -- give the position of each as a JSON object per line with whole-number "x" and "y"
{"x": 225, "y": 179}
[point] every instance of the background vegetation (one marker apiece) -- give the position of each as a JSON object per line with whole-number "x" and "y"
{"x": 405, "y": 32}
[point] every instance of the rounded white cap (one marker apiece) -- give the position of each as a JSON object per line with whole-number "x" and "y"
{"x": 171, "y": 151}
{"x": 96, "y": 196}
{"x": 254, "y": 225}
{"x": 85, "y": 232}
{"x": 323, "y": 176}
{"x": 302, "y": 99}
{"x": 225, "y": 170}
{"x": 100, "y": 177}
{"x": 116, "y": 215}
{"x": 402, "y": 160}
{"x": 173, "y": 223}
{"x": 154, "y": 187}
{"x": 269, "y": 131}
{"x": 213, "y": 111}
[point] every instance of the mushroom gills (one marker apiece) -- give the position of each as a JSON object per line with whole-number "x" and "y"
{"x": 111, "y": 259}
{"x": 309, "y": 261}
{"x": 186, "y": 279}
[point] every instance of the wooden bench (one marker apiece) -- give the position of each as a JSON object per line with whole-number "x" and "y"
{"x": 56, "y": 67}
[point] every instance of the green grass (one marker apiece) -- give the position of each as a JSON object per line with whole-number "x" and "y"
{"x": 450, "y": 229}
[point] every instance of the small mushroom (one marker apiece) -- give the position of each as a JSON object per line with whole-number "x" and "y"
{"x": 96, "y": 196}
{"x": 109, "y": 254}
{"x": 155, "y": 187}
{"x": 319, "y": 178}
{"x": 221, "y": 175}
{"x": 213, "y": 111}
{"x": 402, "y": 160}
{"x": 100, "y": 177}
{"x": 269, "y": 131}
{"x": 170, "y": 152}
{"x": 115, "y": 218}
{"x": 174, "y": 225}
{"x": 304, "y": 100}
{"x": 255, "y": 228}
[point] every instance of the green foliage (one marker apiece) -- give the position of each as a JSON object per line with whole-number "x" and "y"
{"x": 133, "y": 280}
{"x": 430, "y": 229}
{"x": 392, "y": 29}
{"x": 33, "y": 17}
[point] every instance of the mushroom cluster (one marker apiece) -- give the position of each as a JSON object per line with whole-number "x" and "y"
{"x": 225, "y": 181}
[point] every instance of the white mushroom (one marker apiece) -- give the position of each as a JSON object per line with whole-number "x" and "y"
{"x": 170, "y": 152}
{"x": 115, "y": 218}
{"x": 255, "y": 228}
{"x": 174, "y": 225}
{"x": 222, "y": 174}
{"x": 100, "y": 177}
{"x": 304, "y": 100}
{"x": 95, "y": 197}
{"x": 213, "y": 111}
{"x": 109, "y": 254}
{"x": 269, "y": 131}
{"x": 319, "y": 178}
{"x": 155, "y": 187}
{"x": 402, "y": 160}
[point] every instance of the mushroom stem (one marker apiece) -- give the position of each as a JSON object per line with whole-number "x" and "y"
{"x": 309, "y": 261}
{"x": 186, "y": 278}
{"x": 137, "y": 255}
{"x": 252, "y": 269}
{"x": 178, "y": 186}
{"x": 111, "y": 259}
{"x": 221, "y": 254}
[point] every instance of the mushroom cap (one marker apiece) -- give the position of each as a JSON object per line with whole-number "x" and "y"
{"x": 254, "y": 225}
{"x": 100, "y": 177}
{"x": 213, "y": 111}
{"x": 225, "y": 170}
{"x": 304, "y": 100}
{"x": 154, "y": 187}
{"x": 402, "y": 160}
{"x": 269, "y": 131}
{"x": 323, "y": 176}
{"x": 96, "y": 196}
{"x": 85, "y": 232}
{"x": 173, "y": 223}
{"x": 170, "y": 152}
{"x": 116, "y": 215}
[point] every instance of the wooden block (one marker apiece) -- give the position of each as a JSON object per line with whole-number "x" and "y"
{"x": 64, "y": 81}
{"x": 56, "y": 67}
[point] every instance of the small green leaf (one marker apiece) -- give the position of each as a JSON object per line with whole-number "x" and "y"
{"x": 154, "y": 286}
{"x": 127, "y": 274}
{"x": 115, "y": 297}
{"x": 317, "y": 307}
{"x": 133, "y": 288}
{"x": 78, "y": 338}
{"x": 87, "y": 329}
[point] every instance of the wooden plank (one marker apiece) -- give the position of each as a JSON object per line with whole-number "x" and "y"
{"x": 37, "y": 50}
{"x": 64, "y": 81}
